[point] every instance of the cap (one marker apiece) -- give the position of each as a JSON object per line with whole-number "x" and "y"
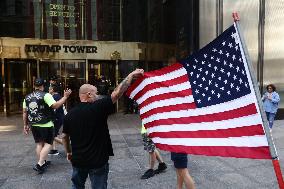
{"x": 39, "y": 82}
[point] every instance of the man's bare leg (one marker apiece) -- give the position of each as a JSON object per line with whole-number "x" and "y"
{"x": 158, "y": 156}
{"x": 183, "y": 176}
{"x": 39, "y": 147}
{"x": 152, "y": 159}
{"x": 43, "y": 154}
{"x": 179, "y": 179}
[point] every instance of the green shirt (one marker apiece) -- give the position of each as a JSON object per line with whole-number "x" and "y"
{"x": 143, "y": 129}
{"x": 49, "y": 100}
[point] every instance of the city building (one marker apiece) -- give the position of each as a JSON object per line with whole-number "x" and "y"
{"x": 77, "y": 41}
{"x": 82, "y": 40}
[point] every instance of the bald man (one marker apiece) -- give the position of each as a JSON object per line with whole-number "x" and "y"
{"x": 86, "y": 127}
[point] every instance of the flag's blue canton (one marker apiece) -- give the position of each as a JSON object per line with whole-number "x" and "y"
{"x": 216, "y": 72}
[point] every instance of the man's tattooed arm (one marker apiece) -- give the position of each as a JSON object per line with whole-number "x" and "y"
{"x": 123, "y": 86}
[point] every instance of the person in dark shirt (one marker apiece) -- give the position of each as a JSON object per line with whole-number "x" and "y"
{"x": 103, "y": 86}
{"x": 86, "y": 127}
{"x": 58, "y": 118}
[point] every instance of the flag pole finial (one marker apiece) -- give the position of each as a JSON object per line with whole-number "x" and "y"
{"x": 235, "y": 16}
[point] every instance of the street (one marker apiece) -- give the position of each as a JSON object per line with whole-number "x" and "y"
{"x": 17, "y": 156}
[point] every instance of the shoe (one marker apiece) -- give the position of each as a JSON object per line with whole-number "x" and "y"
{"x": 38, "y": 168}
{"x": 46, "y": 164}
{"x": 53, "y": 152}
{"x": 161, "y": 168}
{"x": 149, "y": 173}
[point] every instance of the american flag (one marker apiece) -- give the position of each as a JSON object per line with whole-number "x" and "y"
{"x": 205, "y": 104}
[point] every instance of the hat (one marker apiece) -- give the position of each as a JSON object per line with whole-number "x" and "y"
{"x": 39, "y": 82}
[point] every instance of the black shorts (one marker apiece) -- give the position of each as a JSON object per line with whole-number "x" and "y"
{"x": 43, "y": 134}
{"x": 179, "y": 159}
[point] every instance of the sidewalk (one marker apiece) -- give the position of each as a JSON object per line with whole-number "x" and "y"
{"x": 17, "y": 157}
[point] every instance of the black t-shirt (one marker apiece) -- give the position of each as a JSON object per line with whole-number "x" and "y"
{"x": 90, "y": 140}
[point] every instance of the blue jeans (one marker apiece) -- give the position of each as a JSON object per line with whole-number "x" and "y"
{"x": 97, "y": 176}
{"x": 270, "y": 118}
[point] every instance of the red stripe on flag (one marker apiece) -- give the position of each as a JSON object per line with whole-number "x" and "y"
{"x": 184, "y": 93}
{"x": 239, "y": 112}
{"x": 219, "y": 133}
{"x": 160, "y": 72}
{"x": 170, "y": 108}
{"x": 134, "y": 85}
{"x": 223, "y": 151}
{"x": 164, "y": 70}
{"x": 168, "y": 83}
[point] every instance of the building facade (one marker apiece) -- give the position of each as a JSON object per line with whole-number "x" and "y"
{"x": 77, "y": 40}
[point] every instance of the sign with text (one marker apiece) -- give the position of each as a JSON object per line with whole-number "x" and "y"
{"x": 65, "y": 19}
{"x": 58, "y": 48}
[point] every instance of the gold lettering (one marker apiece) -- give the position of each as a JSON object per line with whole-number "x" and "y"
{"x": 52, "y": 13}
{"x": 52, "y": 6}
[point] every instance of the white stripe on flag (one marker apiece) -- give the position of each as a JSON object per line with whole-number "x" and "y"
{"x": 224, "y": 124}
{"x": 164, "y": 90}
{"x": 218, "y": 108}
{"x": 161, "y": 78}
{"x": 244, "y": 141}
{"x": 166, "y": 102}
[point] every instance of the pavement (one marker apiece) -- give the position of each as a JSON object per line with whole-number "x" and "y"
{"x": 17, "y": 156}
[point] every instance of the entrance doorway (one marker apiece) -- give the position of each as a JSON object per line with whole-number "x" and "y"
{"x": 102, "y": 71}
{"x": 19, "y": 76}
{"x": 69, "y": 73}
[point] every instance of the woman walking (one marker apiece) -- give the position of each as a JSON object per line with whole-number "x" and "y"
{"x": 270, "y": 101}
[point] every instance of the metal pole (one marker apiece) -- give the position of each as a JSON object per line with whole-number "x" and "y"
{"x": 219, "y": 15}
{"x": 257, "y": 93}
{"x": 37, "y": 68}
{"x": 260, "y": 61}
{"x": 116, "y": 80}
{"x": 87, "y": 70}
{"x": 4, "y": 87}
{"x": 271, "y": 144}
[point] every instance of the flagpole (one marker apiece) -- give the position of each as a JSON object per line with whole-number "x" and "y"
{"x": 273, "y": 152}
